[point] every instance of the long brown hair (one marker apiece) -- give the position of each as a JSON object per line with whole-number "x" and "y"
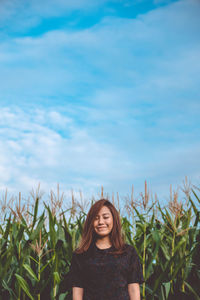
{"x": 89, "y": 235}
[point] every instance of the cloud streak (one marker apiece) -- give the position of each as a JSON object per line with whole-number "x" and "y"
{"x": 32, "y": 148}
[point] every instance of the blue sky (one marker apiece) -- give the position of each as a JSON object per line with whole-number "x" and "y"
{"x": 99, "y": 93}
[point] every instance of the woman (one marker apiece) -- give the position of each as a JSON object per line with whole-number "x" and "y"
{"x": 103, "y": 267}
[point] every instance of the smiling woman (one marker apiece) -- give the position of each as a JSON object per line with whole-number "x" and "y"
{"x": 103, "y": 225}
{"x": 104, "y": 267}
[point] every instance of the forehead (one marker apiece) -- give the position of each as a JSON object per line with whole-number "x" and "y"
{"x": 104, "y": 210}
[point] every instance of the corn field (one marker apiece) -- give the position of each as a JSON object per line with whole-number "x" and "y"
{"x": 37, "y": 239}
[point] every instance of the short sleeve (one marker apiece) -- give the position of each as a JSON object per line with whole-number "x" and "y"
{"x": 135, "y": 268}
{"x": 75, "y": 272}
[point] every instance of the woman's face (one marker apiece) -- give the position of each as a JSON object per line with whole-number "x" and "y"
{"x": 103, "y": 222}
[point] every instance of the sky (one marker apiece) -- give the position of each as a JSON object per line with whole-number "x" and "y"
{"x": 99, "y": 93}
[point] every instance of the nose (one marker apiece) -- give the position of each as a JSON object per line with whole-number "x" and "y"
{"x": 100, "y": 221}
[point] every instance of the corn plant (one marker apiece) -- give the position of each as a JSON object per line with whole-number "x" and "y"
{"x": 36, "y": 246}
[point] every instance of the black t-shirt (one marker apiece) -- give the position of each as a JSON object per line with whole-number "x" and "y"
{"x": 105, "y": 276}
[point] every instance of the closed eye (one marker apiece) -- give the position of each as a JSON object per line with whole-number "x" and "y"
{"x": 104, "y": 218}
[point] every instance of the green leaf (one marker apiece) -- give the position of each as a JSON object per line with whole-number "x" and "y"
{"x": 52, "y": 231}
{"x": 36, "y": 232}
{"x": 167, "y": 288}
{"x": 43, "y": 268}
{"x": 140, "y": 216}
{"x": 196, "y": 195}
{"x": 164, "y": 274}
{"x": 180, "y": 244}
{"x": 193, "y": 206}
{"x": 30, "y": 271}
{"x": 56, "y": 277}
{"x": 9, "y": 289}
{"x": 8, "y": 227}
{"x": 24, "y": 285}
{"x": 156, "y": 238}
{"x": 180, "y": 264}
{"x": 197, "y": 219}
{"x": 20, "y": 233}
{"x": 35, "y": 212}
{"x": 192, "y": 290}
{"x": 34, "y": 259}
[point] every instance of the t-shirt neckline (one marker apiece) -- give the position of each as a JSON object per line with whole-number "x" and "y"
{"x": 102, "y": 249}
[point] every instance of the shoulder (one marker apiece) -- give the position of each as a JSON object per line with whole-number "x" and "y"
{"x": 79, "y": 256}
{"x": 130, "y": 249}
{"x": 76, "y": 256}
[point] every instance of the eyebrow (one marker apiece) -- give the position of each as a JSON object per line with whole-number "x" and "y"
{"x": 105, "y": 214}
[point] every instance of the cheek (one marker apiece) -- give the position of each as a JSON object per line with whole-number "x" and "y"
{"x": 111, "y": 223}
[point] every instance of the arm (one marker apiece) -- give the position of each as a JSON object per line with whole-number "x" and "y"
{"x": 134, "y": 291}
{"x": 77, "y": 293}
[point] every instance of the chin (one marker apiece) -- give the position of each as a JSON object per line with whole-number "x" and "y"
{"x": 102, "y": 234}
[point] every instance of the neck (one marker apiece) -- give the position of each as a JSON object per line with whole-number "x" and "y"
{"x": 103, "y": 242}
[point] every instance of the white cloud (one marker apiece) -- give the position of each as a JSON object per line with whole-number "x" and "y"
{"x": 32, "y": 152}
